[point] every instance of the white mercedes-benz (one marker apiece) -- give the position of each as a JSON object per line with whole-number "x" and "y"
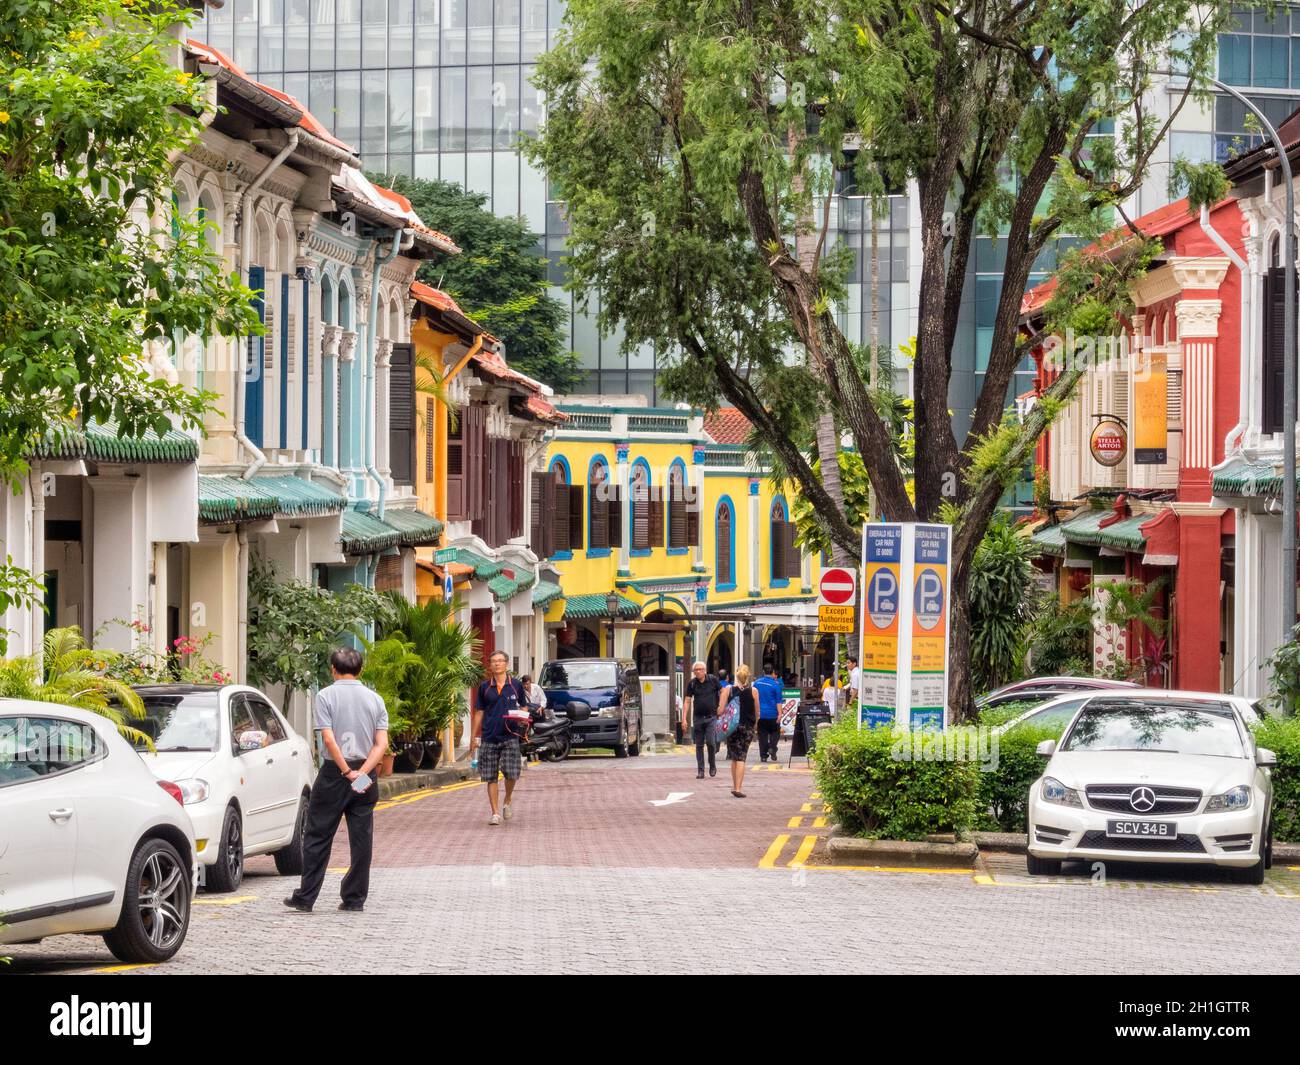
{"x": 244, "y": 774}
{"x": 1154, "y": 778}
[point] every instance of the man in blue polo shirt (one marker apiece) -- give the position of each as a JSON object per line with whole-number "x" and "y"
{"x": 498, "y": 747}
{"x": 769, "y": 708}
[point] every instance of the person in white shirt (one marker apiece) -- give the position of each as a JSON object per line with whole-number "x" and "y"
{"x": 855, "y": 681}
{"x": 534, "y": 693}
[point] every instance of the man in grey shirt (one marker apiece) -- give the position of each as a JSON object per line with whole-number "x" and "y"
{"x": 353, "y": 723}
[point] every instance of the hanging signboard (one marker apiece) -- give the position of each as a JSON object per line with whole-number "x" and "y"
{"x": 1108, "y": 442}
{"x": 1150, "y": 408}
{"x": 904, "y": 633}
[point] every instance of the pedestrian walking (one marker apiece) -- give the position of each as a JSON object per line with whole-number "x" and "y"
{"x": 855, "y": 682}
{"x": 353, "y": 724}
{"x": 703, "y": 694}
{"x": 743, "y": 734}
{"x": 768, "y": 687}
{"x": 498, "y": 747}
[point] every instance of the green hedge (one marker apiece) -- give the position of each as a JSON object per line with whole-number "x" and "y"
{"x": 873, "y": 791}
{"x": 1004, "y": 792}
{"x": 1282, "y": 736}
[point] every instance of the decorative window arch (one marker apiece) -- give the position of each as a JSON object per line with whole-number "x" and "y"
{"x": 784, "y": 556}
{"x": 602, "y": 514}
{"x": 683, "y": 510}
{"x": 724, "y": 527}
{"x": 647, "y": 510}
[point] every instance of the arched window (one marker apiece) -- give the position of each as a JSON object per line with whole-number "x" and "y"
{"x": 785, "y": 557}
{"x": 683, "y": 510}
{"x": 724, "y": 574}
{"x": 647, "y": 510}
{"x": 602, "y": 514}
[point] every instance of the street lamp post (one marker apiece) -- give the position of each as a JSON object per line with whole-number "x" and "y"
{"x": 1288, "y": 374}
{"x": 611, "y": 608}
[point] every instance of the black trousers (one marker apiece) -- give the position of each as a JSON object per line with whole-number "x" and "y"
{"x": 769, "y": 735}
{"x": 332, "y": 799}
{"x": 700, "y": 734}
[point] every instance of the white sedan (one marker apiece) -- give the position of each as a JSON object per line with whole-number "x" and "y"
{"x": 1056, "y": 713}
{"x": 244, "y": 773}
{"x": 90, "y": 841}
{"x": 1154, "y": 777}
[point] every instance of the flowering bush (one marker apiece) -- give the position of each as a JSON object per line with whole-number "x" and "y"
{"x": 184, "y": 661}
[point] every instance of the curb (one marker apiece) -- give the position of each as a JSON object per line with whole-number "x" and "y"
{"x": 844, "y": 850}
{"x": 401, "y": 783}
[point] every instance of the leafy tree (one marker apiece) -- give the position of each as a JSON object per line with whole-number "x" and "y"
{"x": 293, "y": 627}
{"x": 94, "y": 270}
{"x": 1061, "y": 641}
{"x": 696, "y": 144}
{"x": 498, "y": 278}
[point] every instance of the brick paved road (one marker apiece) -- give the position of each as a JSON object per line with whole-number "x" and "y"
{"x": 590, "y": 876}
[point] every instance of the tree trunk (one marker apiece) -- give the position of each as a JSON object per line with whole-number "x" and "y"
{"x": 961, "y": 695}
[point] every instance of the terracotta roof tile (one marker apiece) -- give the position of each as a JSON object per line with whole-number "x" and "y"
{"x": 727, "y": 425}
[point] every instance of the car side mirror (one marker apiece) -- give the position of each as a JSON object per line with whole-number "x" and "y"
{"x": 579, "y": 711}
{"x": 1265, "y": 758}
{"x": 252, "y": 740}
{"x": 1047, "y": 748}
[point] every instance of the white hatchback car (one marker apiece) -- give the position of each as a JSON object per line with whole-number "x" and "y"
{"x": 90, "y": 841}
{"x": 245, "y": 774}
{"x": 1154, "y": 777}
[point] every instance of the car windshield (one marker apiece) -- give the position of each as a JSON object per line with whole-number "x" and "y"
{"x": 181, "y": 722}
{"x": 575, "y": 675}
{"x": 1168, "y": 728}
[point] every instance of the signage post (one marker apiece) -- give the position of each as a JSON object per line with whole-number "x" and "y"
{"x": 905, "y": 617}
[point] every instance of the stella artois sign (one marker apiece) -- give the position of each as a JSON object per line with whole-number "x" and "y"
{"x": 1109, "y": 442}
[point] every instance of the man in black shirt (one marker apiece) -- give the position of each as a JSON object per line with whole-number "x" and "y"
{"x": 703, "y": 696}
{"x": 497, "y": 743}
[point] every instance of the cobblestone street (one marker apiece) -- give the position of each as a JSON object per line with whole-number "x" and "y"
{"x": 591, "y": 876}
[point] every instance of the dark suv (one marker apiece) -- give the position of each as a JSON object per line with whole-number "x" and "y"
{"x": 611, "y": 687}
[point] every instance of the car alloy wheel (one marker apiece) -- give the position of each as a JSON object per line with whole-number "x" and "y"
{"x": 227, "y": 872}
{"x": 163, "y": 899}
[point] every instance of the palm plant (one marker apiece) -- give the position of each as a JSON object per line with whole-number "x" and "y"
{"x": 70, "y": 673}
{"x": 436, "y": 694}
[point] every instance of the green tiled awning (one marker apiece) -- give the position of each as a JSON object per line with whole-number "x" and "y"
{"x": 104, "y": 442}
{"x": 226, "y": 498}
{"x": 546, "y": 593}
{"x": 1050, "y": 539}
{"x": 1241, "y": 477}
{"x": 484, "y": 568}
{"x": 364, "y": 534}
{"x": 593, "y": 606}
{"x": 417, "y": 527}
{"x": 1124, "y": 535}
{"x": 503, "y": 587}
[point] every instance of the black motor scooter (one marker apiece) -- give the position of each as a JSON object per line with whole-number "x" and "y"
{"x": 551, "y": 737}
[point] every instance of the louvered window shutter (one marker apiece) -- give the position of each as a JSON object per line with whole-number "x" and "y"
{"x": 598, "y": 505}
{"x": 401, "y": 414}
{"x": 724, "y": 546}
{"x": 692, "y": 508}
{"x": 559, "y": 516}
{"x": 1274, "y": 349}
{"x": 640, "y": 516}
{"x": 254, "y": 387}
{"x": 778, "y": 549}
{"x": 457, "y": 503}
{"x": 429, "y": 410}
{"x": 614, "y": 515}
{"x": 549, "y": 546}
{"x": 536, "y": 518}
{"x": 793, "y": 557}
{"x": 656, "y": 516}
{"x": 576, "y": 511}
{"x": 677, "y": 535}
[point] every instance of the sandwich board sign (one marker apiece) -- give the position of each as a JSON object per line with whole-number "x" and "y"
{"x": 904, "y": 634}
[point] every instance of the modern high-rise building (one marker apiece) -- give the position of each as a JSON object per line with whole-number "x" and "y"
{"x": 442, "y": 89}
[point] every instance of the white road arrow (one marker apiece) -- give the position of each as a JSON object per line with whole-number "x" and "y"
{"x": 673, "y": 796}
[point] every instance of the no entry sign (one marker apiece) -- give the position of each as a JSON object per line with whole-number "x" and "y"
{"x": 835, "y": 595}
{"x": 838, "y": 586}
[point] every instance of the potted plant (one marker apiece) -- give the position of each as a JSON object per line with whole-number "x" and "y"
{"x": 389, "y": 665}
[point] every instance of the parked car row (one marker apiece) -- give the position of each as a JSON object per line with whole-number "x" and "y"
{"x": 99, "y": 837}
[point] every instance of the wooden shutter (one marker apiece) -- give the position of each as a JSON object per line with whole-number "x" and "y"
{"x": 614, "y": 515}
{"x": 516, "y": 488}
{"x": 677, "y": 533}
{"x": 576, "y": 512}
{"x": 598, "y": 506}
{"x": 429, "y": 410}
{"x": 692, "y": 508}
{"x": 475, "y": 459}
{"x": 1274, "y": 350}
{"x": 793, "y": 557}
{"x": 724, "y": 574}
{"x": 640, "y": 516}
{"x": 656, "y": 516}
{"x": 778, "y": 549}
{"x": 536, "y": 520}
{"x": 253, "y": 376}
{"x": 548, "y": 509}
{"x": 558, "y": 514}
{"x": 401, "y": 414}
{"x": 457, "y": 501}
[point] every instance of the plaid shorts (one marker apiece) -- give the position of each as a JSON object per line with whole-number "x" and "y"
{"x": 502, "y": 757}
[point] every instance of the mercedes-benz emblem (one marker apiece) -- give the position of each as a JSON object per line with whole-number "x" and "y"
{"x": 1142, "y": 799}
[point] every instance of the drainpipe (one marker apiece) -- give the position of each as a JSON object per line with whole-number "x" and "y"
{"x": 368, "y": 397}
{"x": 1233, "y": 439}
{"x": 38, "y": 560}
{"x": 245, "y": 252}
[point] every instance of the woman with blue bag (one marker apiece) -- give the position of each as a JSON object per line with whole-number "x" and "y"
{"x": 742, "y": 711}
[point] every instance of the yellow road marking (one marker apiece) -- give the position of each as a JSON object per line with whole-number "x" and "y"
{"x": 805, "y": 849}
{"x": 982, "y": 878}
{"x": 806, "y": 808}
{"x": 768, "y": 861}
{"x": 881, "y": 869}
{"x": 819, "y": 822}
{"x": 233, "y": 900}
{"x": 124, "y": 968}
{"x": 340, "y": 869}
{"x": 795, "y": 822}
{"x": 425, "y": 793}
